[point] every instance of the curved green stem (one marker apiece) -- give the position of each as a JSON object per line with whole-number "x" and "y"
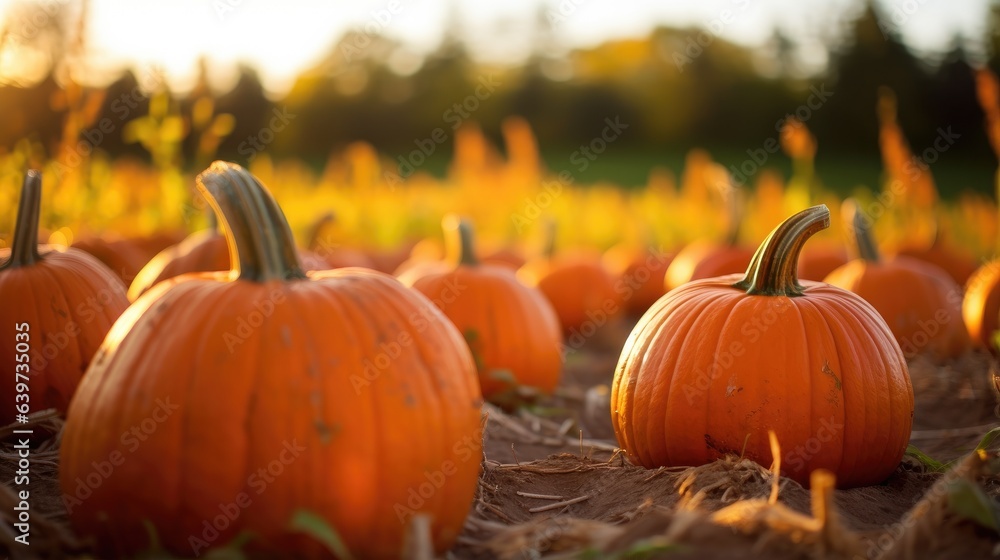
{"x": 261, "y": 246}
{"x": 460, "y": 241}
{"x": 773, "y": 269}
{"x": 24, "y": 248}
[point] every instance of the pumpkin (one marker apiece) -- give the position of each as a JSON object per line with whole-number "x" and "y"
{"x": 148, "y": 246}
{"x": 334, "y": 254}
{"x": 957, "y": 264}
{"x": 202, "y": 251}
{"x": 426, "y": 256}
{"x": 816, "y": 263}
{"x": 341, "y": 393}
{"x": 505, "y": 256}
{"x": 511, "y": 328}
{"x": 641, "y": 271}
{"x": 705, "y": 259}
{"x": 580, "y": 289}
{"x": 59, "y": 303}
{"x": 981, "y": 306}
{"x": 920, "y": 302}
{"x": 118, "y": 254}
{"x": 717, "y": 363}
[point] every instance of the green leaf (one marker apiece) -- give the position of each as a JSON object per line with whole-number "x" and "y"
{"x": 967, "y": 500}
{"x": 989, "y": 439}
{"x": 304, "y": 521}
{"x": 926, "y": 460}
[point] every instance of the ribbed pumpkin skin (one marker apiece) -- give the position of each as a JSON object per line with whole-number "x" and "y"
{"x": 282, "y": 384}
{"x": 981, "y": 305}
{"x": 920, "y": 303}
{"x": 69, "y": 300}
{"x": 820, "y": 370}
{"x": 508, "y": 325}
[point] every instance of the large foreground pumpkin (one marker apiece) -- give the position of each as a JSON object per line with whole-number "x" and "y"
{"x": 717, "y": 363}
{"x": 224, "y": 403}
{"x": 511, "y": 328}
{"x": 58, "y": 304}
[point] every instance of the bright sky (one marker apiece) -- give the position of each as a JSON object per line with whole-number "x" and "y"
{"x": 282, "y": 37}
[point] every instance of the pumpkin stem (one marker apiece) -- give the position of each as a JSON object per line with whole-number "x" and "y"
{"x": 316, "y": 231}
{"x": 459, "y": 241}
{"x": 860, "y": 225}
{"x": 735, "y": 207}
{"x": 261, "y": 246}
{"x": 212, "y": 221}
{"x": 773, "y": 269}
{"x": 549, "y": 239}
{"x": 24, "y": 249}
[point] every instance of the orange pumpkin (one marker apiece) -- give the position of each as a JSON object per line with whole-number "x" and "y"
{"x": 58, "y": 304}
{"x": 816, "y": 263}
{"x": 717, "y": 363}
{"x": 958, "y": 265}
{"x": 507, "y": 257}
{"x": 921, "y": 304}
{"x": 580, "y": 289}
{"x": 641, "y": 271}
{"x": 202, "y": 251}
{"x": 118, "y": 254}
{"x": 512, "y": 330}
{"x": 148, "y": 246}
{"x": 425, "y": 257}
{"x": 341, "y": 393}
{"x": 706, "y": 259}
{"x": 981, "y": 306}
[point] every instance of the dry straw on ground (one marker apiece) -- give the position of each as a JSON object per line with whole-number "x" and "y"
{"x": 553, "y": 485}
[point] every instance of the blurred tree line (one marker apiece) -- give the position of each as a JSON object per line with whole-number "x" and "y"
{"x": 676, "y": 89}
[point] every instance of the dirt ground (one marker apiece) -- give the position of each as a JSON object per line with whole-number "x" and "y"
{"x": 565, "y": 448}
{"x": 553, "y": 484}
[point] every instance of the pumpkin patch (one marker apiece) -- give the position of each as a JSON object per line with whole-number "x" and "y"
{"x": 529, "y": 280}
